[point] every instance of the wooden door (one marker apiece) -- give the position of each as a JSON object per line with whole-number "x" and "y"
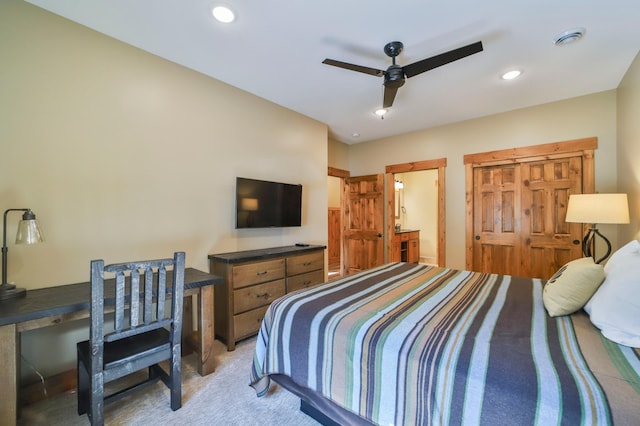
{"x": 519, "y": 222}
{"x": 548, "y": 241}
{"x": 543, "y": 178}
{"x": 496, "y": 244}
{"x": 364, "y": 212}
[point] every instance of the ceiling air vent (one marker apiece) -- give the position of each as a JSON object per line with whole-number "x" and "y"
{"x": 569, "y": 36}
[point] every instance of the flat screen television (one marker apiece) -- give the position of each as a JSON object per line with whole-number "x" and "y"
{"x": 265, "y": 204}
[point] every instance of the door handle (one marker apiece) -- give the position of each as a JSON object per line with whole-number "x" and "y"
{"x": 379, "y": 235}
{"x": 576, "y": 242}
{"x": 477, "y": 237}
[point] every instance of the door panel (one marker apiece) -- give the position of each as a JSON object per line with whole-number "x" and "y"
{"x": 545, "y": 197}
{"x": 364, "y": 243}
{"x": 496, "y": 240}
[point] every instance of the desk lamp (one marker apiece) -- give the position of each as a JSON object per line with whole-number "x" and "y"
{"x": 594, "y": 209}
{"x": 28, "y": 233}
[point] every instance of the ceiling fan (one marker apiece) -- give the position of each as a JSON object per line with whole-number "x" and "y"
{"x": 395, "y": 75}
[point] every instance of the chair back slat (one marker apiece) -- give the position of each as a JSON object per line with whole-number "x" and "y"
{"x": 162, "y": 288}
{"x": 134, "y": 303}
{"x": 119, "y": 302}
{"x": 148, "y": 296}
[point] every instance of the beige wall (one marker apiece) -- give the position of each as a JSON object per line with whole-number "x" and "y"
{"x": 587, "y": 116}
{"x": 629, "y": 148}
{"x": 123, "y": 155}
{"x": 338, "y": 154}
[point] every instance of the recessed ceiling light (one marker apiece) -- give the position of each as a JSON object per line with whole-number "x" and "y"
{"x": 380, "y": 112}
{"x": 510, "y": 75}
{"x": 569, "y": 36}
{"x": 355, "y": 135}
{"x": 223, "y": 14}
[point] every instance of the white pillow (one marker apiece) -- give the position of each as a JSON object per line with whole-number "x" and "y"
{"x": 632, "y": 246}
{"x": 615, "y": 307}
{"x": 572, "y": 286}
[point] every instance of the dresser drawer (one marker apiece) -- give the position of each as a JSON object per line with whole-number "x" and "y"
{"x": 247, "y": 298}
{"x": 257, "y": 272}
{"x": 248, "y": 323}
{"x": 305, "y": 280}
{"x": 305, "y": 263}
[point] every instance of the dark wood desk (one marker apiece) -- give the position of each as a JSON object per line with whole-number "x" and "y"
{"x": 50, "y": 306}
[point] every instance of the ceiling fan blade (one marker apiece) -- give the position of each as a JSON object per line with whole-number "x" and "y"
{"x": 441, "y": 59}
{"x": 352, "y": 67}
{"x": 389, "y": 96}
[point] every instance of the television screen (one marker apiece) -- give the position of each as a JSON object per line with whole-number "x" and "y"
{"x": 265, "y": 204}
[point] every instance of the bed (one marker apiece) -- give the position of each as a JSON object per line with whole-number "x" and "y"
{"x": 408, "y": 344}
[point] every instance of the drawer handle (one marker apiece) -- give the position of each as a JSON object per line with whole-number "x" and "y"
{"x": 263, "y": 296}
{"x": 261, "y": 273}
{"x": 307, "y": 282}
{"x": 306, "y": 264}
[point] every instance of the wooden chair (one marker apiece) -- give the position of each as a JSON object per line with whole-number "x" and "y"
{"x": 145, "y": 331}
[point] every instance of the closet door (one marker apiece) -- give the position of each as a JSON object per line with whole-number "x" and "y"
{"x": 516, "y": 202}
{"x": 519, "y": 217}
{"x": 496, "y": 244}
{"x": 548, "y": 242}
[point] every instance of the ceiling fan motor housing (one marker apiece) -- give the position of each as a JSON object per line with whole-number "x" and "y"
{"x": 394, "y": 76}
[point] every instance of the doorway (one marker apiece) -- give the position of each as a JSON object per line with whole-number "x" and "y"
{"x": 356, "y": 222}
{"x": 421, "y": 205}
{"x": 335, "y": 246}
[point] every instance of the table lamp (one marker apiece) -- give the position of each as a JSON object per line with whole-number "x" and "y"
{"x": 28, "y": 233}
{"x": 594, "y": 209}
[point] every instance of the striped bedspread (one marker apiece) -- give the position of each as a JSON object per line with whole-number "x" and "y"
{"x": 406, "y": 344}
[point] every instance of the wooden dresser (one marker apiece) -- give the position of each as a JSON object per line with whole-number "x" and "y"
{"x": 255, "y": 278}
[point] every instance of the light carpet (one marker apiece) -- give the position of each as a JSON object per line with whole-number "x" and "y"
{"x": 223, "y": 397}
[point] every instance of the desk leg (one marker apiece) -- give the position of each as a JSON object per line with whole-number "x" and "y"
{"x": 9, "y": 371}
{"x": 206, "y": 361}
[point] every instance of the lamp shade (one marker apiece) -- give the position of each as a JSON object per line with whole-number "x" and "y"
{"x": 598, "y": 208}
{"x": 29, "y": 230}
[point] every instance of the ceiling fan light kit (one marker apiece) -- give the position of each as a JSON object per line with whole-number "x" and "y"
{"x": 395, "y": 75}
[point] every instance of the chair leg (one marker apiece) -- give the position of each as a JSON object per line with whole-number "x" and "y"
{"x": 176, "y": 378}
{"x": 97, "y": 400}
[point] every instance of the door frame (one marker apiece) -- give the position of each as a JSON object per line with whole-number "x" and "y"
{"x": 572, "y": 148}
{"x": 439, "y": 164}
{"x": 342, "y": 174}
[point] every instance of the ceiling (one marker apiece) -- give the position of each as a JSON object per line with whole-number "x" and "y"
{"x": 275, "y": 50}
